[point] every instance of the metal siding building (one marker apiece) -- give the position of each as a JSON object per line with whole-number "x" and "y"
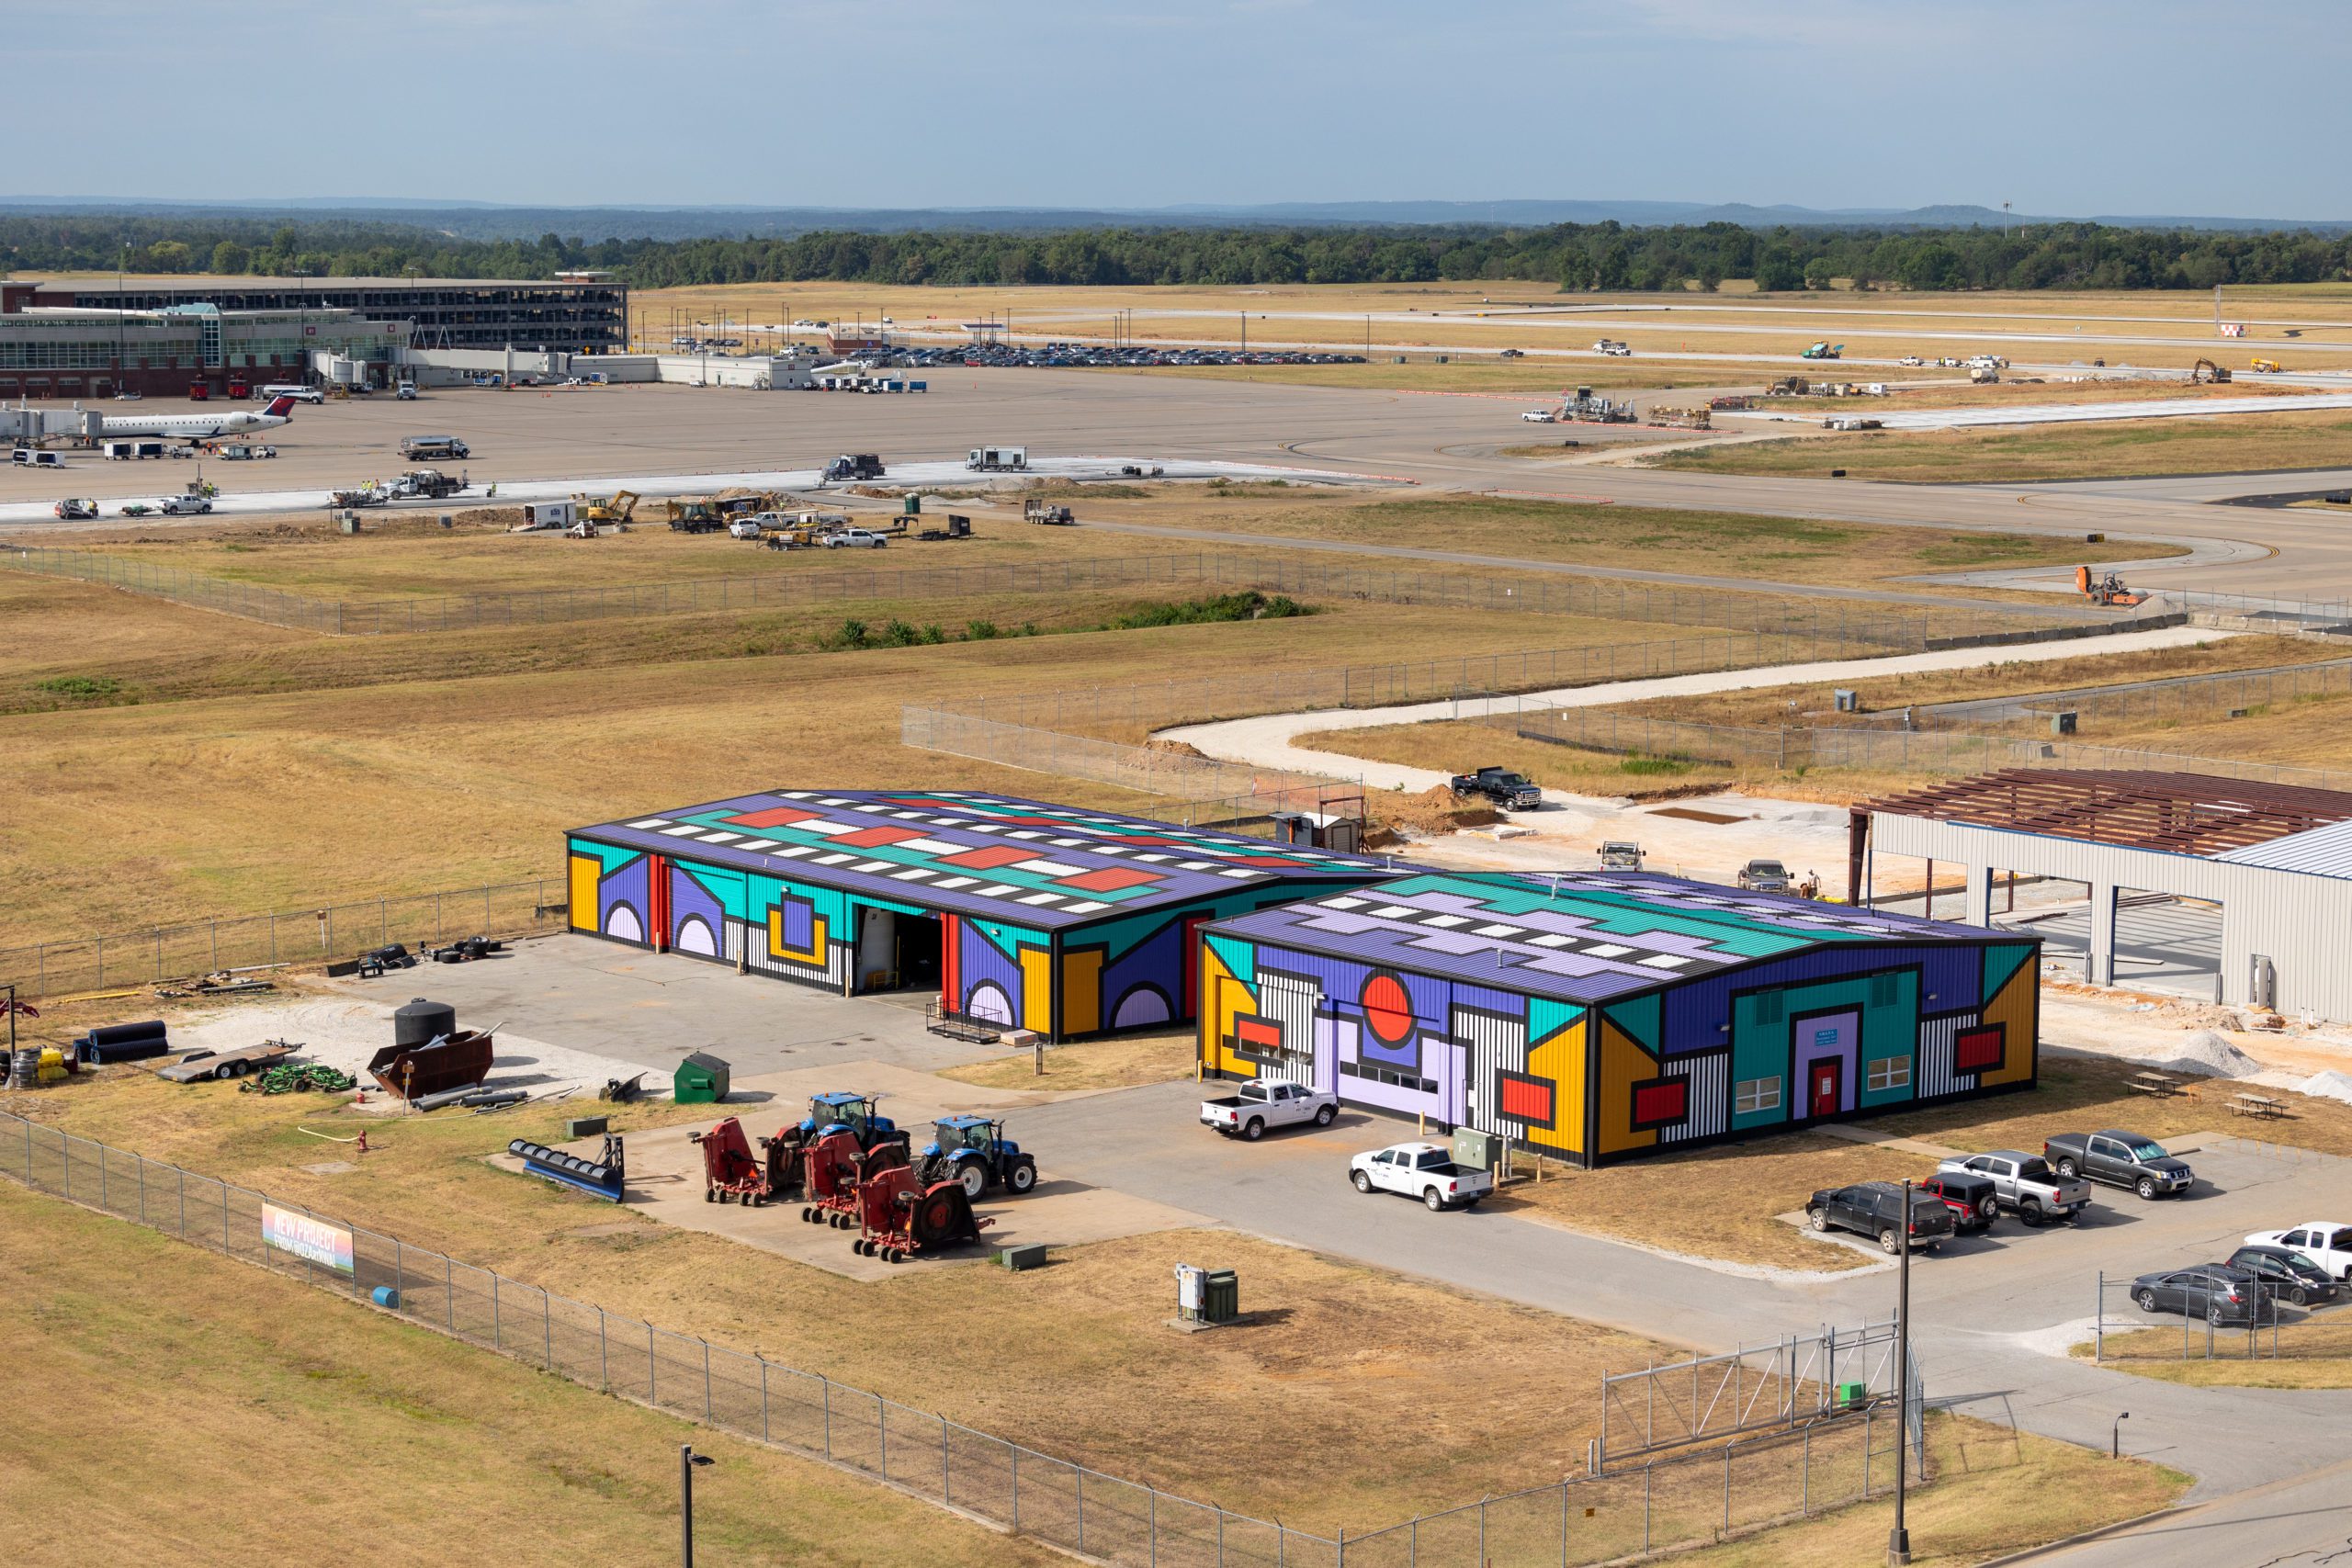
{"x": 2278, "y": 861}
{"x": 1020, "y": 915}
{"x": 1600, "y": 1016}
{"x": 573, "y": 316}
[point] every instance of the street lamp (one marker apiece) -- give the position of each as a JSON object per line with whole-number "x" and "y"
{"x": 687, "y": 1461}
{"x": 2115, "y": 1435}
{"x": 1898, "y": 1539}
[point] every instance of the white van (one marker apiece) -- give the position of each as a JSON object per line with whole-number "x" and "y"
{"x": 287, "y": 390}
{"x": 34, "y": 457}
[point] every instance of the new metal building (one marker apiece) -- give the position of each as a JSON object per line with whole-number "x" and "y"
{"x": 1019, "y": 915}
{"x": 2271, "y": 865}
{"x": 1600, "y": 1016}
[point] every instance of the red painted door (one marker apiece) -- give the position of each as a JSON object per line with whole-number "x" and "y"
{"x": 1824, "y": 1089}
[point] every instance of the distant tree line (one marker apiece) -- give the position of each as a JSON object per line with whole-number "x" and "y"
{"x": 1598, "y": 257}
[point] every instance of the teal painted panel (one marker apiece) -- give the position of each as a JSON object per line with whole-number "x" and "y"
{"x": 1888, "y": 1031}
{"x": 1638, "y": 1018}
{"x": 1546, "y": 1018}
{"x": 607, "y": 858}
{"x": 1238, "y": 957}
{"x": 2000, "y": 963}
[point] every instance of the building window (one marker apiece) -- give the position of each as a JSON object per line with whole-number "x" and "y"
{"x": 1889, "y": 1072}
{"x": 1383, "y": 1075}
{"x": 1769, "y": 1007}
{"x": 1881, "y": 990}
{"x": 1751, "y": 1095}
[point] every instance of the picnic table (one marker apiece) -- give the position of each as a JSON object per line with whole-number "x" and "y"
{"x": 2257, "y": 1105}
{"x": 2154, "y": 1083}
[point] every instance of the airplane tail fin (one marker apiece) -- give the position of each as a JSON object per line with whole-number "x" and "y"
{"x": 281, "y": 408}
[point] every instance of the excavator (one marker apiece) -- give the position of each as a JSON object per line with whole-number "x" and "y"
{"x": 2106, "y": 590}
{"x": 618, "y": 510}
{"x": 2206, "y": 371}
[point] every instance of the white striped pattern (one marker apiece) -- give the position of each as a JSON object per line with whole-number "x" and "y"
{"x": 1490, "y": 1045}
{"x": 1291, "y": 999}
{"x": 1709, "y": 1096}
{"x": 1935, "y": 1076}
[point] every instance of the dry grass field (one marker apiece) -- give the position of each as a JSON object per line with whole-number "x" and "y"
{"x": 222, "y": 1416}
{"x": 2225, "y": 444}
{"x": 2308, "y": 1352}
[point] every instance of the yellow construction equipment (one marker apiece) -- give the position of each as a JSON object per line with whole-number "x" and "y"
{"x": 2266, "y": 368}
{"x": 2206, "y": 371}
{"x": 2106, "y": 590}
{"x": 620, "y": 508}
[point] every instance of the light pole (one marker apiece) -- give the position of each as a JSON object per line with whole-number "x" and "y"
{"x": 2115, "y": 1435}
{"x": 687, "y": 1461}
{"x": 1898, "y": 1539}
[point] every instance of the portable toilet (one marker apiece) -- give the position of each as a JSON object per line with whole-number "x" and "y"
{"x": 701, "y": 1080}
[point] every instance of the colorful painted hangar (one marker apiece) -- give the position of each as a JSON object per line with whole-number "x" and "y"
{"x": 1021, "y": 915}
{"x": 1600, "y": 1017}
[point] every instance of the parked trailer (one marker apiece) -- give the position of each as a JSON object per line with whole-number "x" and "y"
{"x": 199, "y": 1065}
{"x": 997, "y": 459}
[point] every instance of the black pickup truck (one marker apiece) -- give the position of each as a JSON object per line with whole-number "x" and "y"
{"x": 2119, "y": 1159}
{"x": 1875, "y": 1209}
{"x": 1512, "y": 792}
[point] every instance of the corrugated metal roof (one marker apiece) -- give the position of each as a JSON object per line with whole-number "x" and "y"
{"x": 2322, "y": 851}
{"x": 1580, "y": 936}
{"x": 1048, "y": 866}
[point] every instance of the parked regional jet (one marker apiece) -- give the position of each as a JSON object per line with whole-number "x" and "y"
{"x": 198, "y": 426}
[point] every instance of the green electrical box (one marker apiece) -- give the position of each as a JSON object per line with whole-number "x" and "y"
{"x": 1221, "y": 1296}
{"x": 586, "y": 1126}
{"x": 1030, "y": 1255}
{"x": 1853, "y": 1396}
{"x": 1474, "y": 1150}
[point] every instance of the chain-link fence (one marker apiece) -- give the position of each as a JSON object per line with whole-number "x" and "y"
{"x": 2184, "y": 1314}
{"x": 325, "y": 935}
{"x": 2185, "y": 698}
{"x": 1665, "y": 1504}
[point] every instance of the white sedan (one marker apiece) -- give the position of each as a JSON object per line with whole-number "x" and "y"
{"x": 2324, "y": 1242}
{"x": 1538, "y": 416}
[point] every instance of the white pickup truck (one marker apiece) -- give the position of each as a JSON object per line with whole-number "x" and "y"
{"x": 1426, "y": 1171}
{"x": 1261, "y": 1105}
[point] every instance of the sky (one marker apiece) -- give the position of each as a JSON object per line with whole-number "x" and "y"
{"x": 2060, "y": 107}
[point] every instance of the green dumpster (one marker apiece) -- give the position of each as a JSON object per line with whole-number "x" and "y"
{"x": 701, "y": 1080}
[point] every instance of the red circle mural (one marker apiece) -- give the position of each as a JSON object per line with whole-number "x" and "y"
{"x": 1387, "y": 1010}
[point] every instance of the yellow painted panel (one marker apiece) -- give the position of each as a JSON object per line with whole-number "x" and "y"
{"x": 2016, "y": 1005}
{"x": 1082, "y": 991}
{"x": 1623, "y": 1064}
{"x": 585, "y": 874}
{"x": 1560, "y": 1058}
{"x": 1036, "y": 989}
{"x": 1222, "y": 998}
{"x": 817, "y": 933}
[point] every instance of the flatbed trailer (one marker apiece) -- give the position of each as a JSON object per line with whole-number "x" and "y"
{"x": 199, "y": 1065}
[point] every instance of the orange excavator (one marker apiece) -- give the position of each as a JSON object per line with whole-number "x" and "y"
{"x": 2107, "y": 590}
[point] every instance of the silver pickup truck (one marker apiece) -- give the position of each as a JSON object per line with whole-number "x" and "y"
{"x": 2026, "y": 1184}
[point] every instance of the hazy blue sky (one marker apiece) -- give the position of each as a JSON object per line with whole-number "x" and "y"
{"x": 2059, "y": 105}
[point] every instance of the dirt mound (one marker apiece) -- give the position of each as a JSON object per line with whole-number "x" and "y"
{"x": 1434, "y": 810}
{"x": 2204, "y": 1053}
{"x": 1175, "y": 748}
{"x": 2329, "y": 1085}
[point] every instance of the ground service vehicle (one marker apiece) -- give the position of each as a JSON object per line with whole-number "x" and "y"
{"x": 2119, "y": 1159}
{"x": 288, "y": 389}
{"x": 1426, "y": 1171}
{"x": 2025, "y": 1183}
{"x": 1764, "y": 876}
{"x": 1613, "y": 348}
{"x": 1969, "y": 1196}
{"x": 238, "y": 452}
{"x": 1046, "y": 512}
{"x": 33, "y": 458}
{"x": 1512, "y": 792}
{"x": 1620, "y": 854}
{"x": 183, "y": 506}
{"x": 974, "y": 1151}
{"x": 1910, "y": 360}
{"x": 2286, "y": 1272}
{"x": 1258, "y": 1105}
{"x": 1538, "y": 416}
{"x": 430, "y": 483}
{"x": 433, "y": 448}
{"x": 997, "y": 459}
{"x": 2215, "y": 1291}
{"x": 73, "y": 511}
{"x": 2327, "y": 1244}
{"x": 1875, "y": 1209}
{"x": 405, "y": 392}
{"x": 1823, "y": 351}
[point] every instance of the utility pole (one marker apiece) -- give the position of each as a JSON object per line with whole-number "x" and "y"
{"x": 1898, "y": 1539}
{"x": 687, "y": 1460}
{"x": 1245, "y": 331}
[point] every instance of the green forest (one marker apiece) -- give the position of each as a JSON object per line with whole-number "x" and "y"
{"x": 1600, "y": 257}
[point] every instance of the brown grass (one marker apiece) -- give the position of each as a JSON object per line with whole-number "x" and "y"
{"x": 1120, "y": 1062}
{"x": 291, "y": 1413}
{"x": 2222, "y": 444}
{"x": 1074, "y": 1359}
{"x": 2309, "y": 1353}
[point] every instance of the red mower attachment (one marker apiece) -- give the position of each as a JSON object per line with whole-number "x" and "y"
{"x": 727, "y": 1168}
{"x": 899, "y": 1215}
{"x": 832, "y": 1167}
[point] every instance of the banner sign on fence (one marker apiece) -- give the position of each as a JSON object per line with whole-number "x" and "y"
{"x": 313, "y": 1241}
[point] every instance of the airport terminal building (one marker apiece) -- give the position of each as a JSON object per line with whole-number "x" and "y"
{"x": 582, "y": 314}
{"x": 69, "y": 352}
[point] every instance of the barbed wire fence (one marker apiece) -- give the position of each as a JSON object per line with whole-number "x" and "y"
{"x": 1821, "y": 1459}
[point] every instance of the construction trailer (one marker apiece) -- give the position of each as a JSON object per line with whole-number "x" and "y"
{"x": 1590, "y": 409}
{"x": 1603, "y": 1016}
{"x": 1017, "y": 914}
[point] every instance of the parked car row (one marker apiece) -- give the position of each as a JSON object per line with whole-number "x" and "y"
{"x": 1057, "y": 355}
{"x": 1970, "y": 1192}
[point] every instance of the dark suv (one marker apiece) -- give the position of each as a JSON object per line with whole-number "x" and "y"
{"x": 2215, "y": 1291}
{"x": 2286, "y": 1272}
{"x": 1973, "y": 1201}
{"x": 1875, "y": 1209}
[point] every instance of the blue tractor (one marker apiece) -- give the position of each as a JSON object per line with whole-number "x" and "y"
{"x": 974, "y": 1151}
{"x": 837, "y": 1112}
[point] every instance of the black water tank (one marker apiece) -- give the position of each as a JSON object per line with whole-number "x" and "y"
{"x": 421, "y": 1022}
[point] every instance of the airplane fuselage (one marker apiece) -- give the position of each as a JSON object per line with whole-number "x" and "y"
{"x": 186, "y": 426}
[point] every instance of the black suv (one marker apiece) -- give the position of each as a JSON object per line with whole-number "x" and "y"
{"x": 1875, "y": 1209}
{"x": 2286, "y": 1272}
{"x": 1973, "y": 1201}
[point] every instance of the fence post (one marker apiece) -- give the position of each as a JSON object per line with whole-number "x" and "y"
{"x": 828, "y": 1446}
{"x": 1866, "y": 1452}
{"x": 102, "y": 1177}
{"x": 179, "y": 1177}
{"x": 399, "y": 1290}
{"x": 142, "y": 1191}
{"x": 449, "y": 1292}
{"x": 946, "y": 1481}
{"x": 604, "y": 1354}
{"x": 1648, "y": 1470}
{"x": 652, "y": 1367}
{"x": 494, "y": 1326}
{"x": 2098, "y": 1321}
{"x": 1564, "y": 1525}
{"x": 1082, "y": 1510}
{"x": 706, "y": 1380}
{"x": 224, "y": 1217}
{"x": 1017, "y": 1493}
{"x": 546, "y": 1325}
{"x": 1727, "y": 1451}
{"x": 1805, "y": 1476}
